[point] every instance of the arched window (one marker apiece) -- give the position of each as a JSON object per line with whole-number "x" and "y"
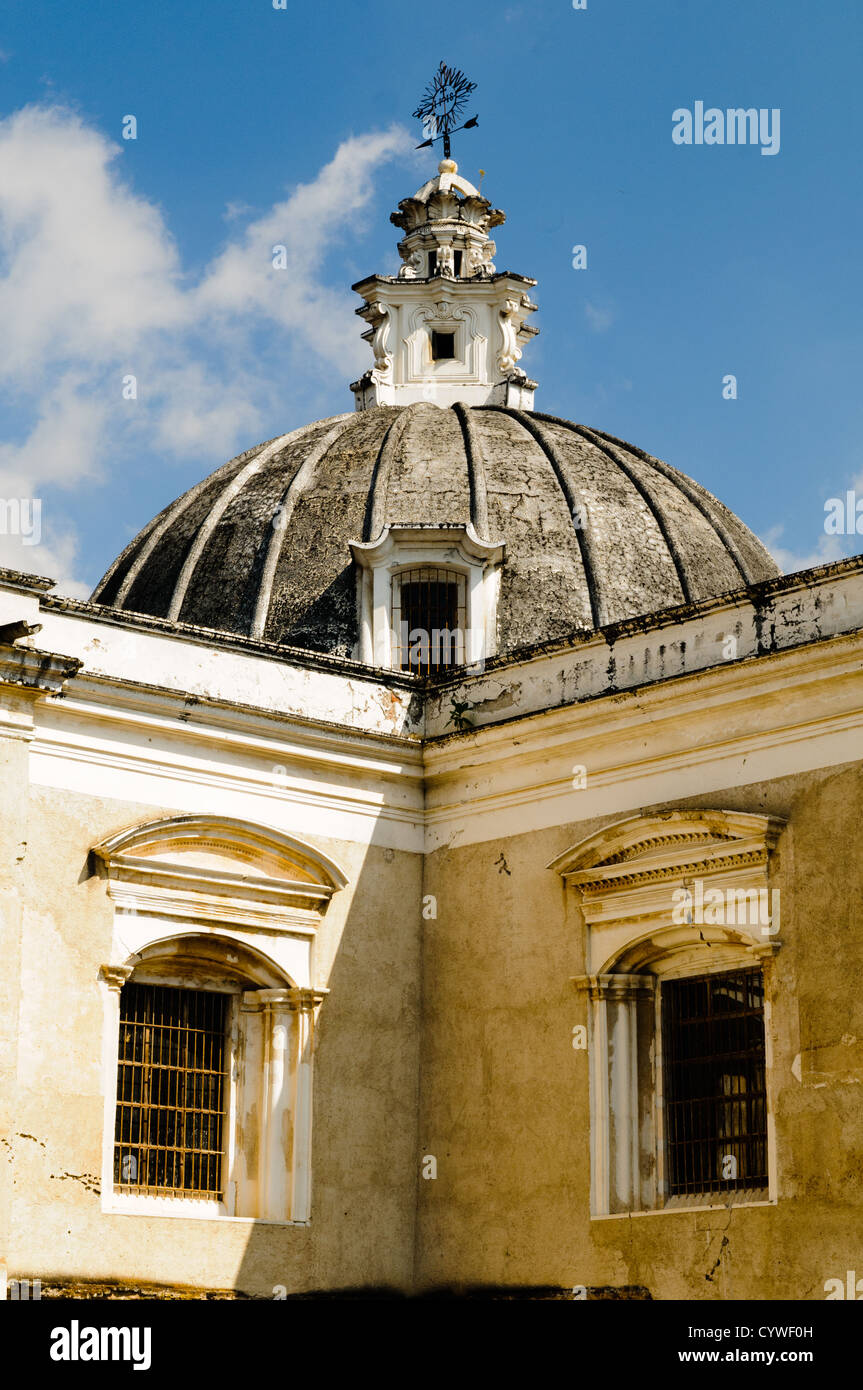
{"x": 680, "y": 928}
{"x": 210, "y": 1013}
{"x": 429, "y": 618}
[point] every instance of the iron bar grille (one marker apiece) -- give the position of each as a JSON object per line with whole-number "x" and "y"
{"x": 170, "y": 1091}
{"x": 715, "y": 1091}
{"x": 429, "y": 602}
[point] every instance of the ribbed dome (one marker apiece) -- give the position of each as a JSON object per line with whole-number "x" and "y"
{"x": 595, "y": 530}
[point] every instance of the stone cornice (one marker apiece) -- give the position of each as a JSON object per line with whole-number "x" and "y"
{"x": 297, "y": 999}
{"x": 284, "y": 884}
{"x": 696, "y": 691}
{"x": 32, "y": 669}
{"x": 26, "y": 583}
{"x": 595, "y": 882}
{"x": 777, "y": 619}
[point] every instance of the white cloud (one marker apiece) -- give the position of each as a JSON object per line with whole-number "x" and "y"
{"x": 92, "y": 289}
{"x": 827, "y": 549}
{"x": 600, "y": 320}
{"x": 53, "y": 558}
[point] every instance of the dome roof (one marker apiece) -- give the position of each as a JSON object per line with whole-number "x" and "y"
{"x": 595, "y": 530}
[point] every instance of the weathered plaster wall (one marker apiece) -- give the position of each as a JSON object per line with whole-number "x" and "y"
{"x": 364, "y": 1139}
{"x": 13, "y": 834}
{"x": 504, "y": 1098}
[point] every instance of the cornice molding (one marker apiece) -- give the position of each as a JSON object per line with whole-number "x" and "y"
{"x": 156, "y": 868}
{"x": 28, "y": 668}
{"x": 623, "y": 876}
{"x": 667, "y": 844}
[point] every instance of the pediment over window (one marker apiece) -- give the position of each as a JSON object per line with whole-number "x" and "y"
{"x": 650, "y": 885}
{"x": 218, "y": 869}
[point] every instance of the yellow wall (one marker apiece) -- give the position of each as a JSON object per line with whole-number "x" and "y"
{"x": 365, "y": 1101}
{"x": 504, "y": 1099}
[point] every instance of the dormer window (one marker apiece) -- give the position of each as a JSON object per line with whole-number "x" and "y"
{"x": 427, "y": 598}
{"x": 429, "y": 619}
{"x": 443, "y": 346}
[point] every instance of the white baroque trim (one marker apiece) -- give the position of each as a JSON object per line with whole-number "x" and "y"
{"x": 457, "y": 548}
{"x": 629, "y": 880}
{"x": 210, "y": 902}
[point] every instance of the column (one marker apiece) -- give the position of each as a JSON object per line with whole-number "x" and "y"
{"x": 306, "y": 1003}
{"x": 112, "y": 978}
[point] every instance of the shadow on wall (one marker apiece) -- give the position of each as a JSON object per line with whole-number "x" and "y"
{"x": 364, "y": 1133}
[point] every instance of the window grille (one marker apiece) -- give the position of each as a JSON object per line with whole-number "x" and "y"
{"x": 714, "y": 1078}
{"x": 170, "y": 1091}
{"x": 429, "y": 617}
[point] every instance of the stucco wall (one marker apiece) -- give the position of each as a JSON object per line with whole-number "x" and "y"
{"x": 363, "y": 1169}
{"x": 505, "y": 1097}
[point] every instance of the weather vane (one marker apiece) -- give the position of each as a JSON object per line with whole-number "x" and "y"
{"x": 442, "y": 104}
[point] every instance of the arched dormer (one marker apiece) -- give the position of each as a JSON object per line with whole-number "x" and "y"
{"x": 679, "y": 921}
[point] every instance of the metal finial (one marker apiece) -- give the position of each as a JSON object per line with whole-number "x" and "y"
{"x": 442, "y": 104}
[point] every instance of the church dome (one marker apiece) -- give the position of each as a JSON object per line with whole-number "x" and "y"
{"x": 445, "y": 506}
{"x": 589, "y": 530}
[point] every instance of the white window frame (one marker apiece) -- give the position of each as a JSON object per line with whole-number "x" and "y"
{"x": 623, "y": 880}
{"x": 455, "y": 548}
{"x": 182, "y": 919}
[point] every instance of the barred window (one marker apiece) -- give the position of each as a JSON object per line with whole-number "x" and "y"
{"x": 429, "y": 617}
{"x": 715, "y": 1086}
{"x": 170, "y": 1091}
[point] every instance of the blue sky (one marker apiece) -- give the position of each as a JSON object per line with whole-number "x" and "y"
{"x": 147, "y": 256}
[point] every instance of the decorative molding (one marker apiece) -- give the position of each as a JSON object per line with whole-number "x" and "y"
{"x": 615, "y": 986}
{"x": 509, "y": 322}
{"x": 115, "y": 976}
{"x": 226, "y": 836}
{"x": 37, "y": 671}
{"x": 628, "y": 876}
{"x": 466, "y": 366}
{"x": 297, "y": 999}
{"x": 651, "y": 837}
{"x": 245, "y": 914}
{"x": 633, "y": 940}
{"x": 170, "y": 875}
{"x": 458, "y": 548}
